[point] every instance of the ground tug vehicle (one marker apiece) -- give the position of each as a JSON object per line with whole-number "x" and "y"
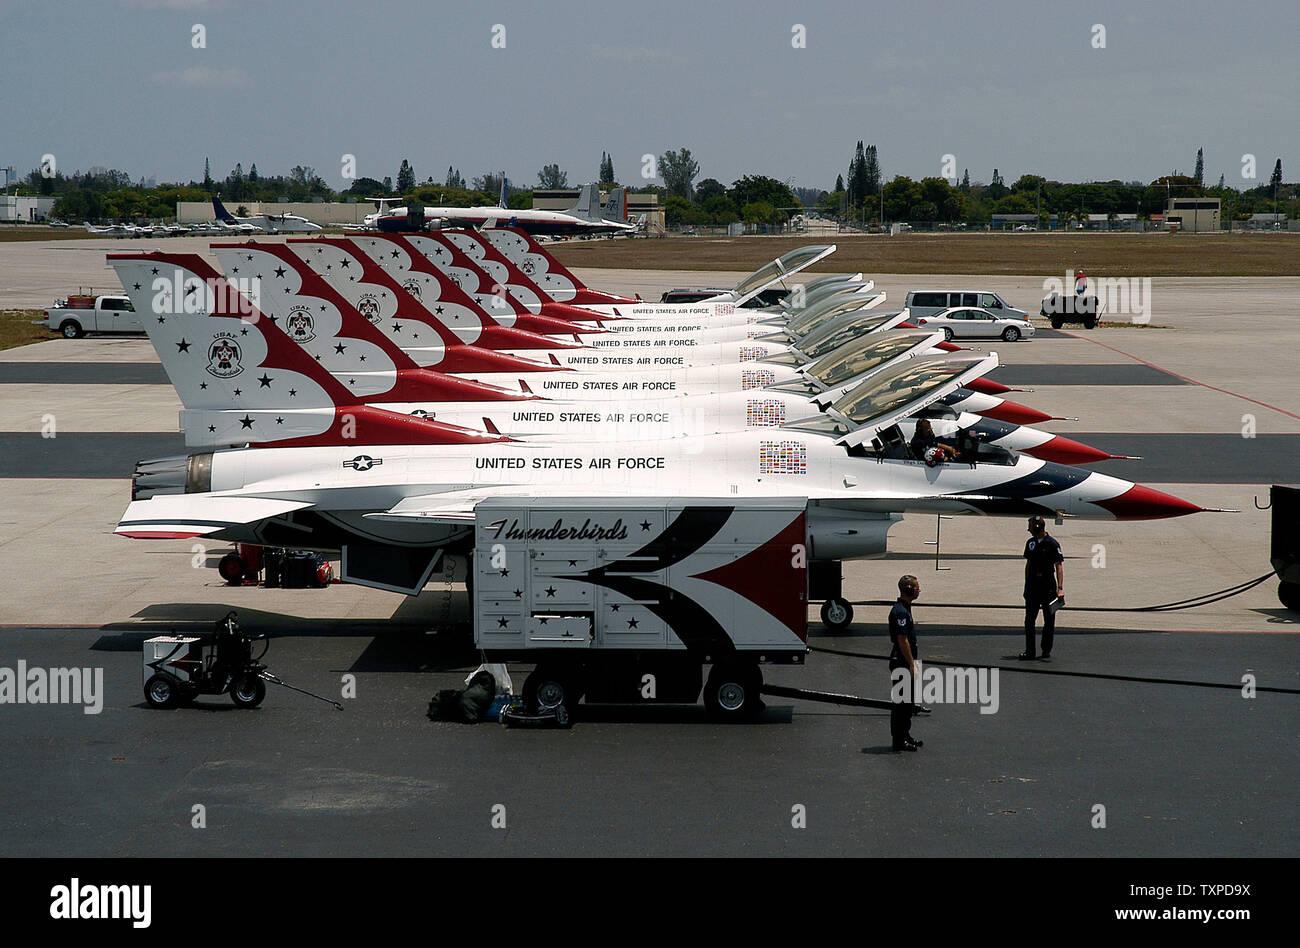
{"x": 179, "y": 668}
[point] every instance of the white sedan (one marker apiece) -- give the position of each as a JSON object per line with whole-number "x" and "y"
{"x": 969, "y": 323}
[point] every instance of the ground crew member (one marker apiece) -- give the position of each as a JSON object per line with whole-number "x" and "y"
{"x": 902, "y": 633}
{"x": 1044, "y": 586}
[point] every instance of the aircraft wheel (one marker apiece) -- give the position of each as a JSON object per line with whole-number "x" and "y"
{"x": 232, "y": 568}
{"x": 1289, "y": 595}
{"x": 731, "y": 693}
{"x": 71, "y": 329}
{"x": 160, "y": 691}
{"x": 1011, "y": 334}
{"x": 247, "y": 690}
{"x": 837, "y": 614}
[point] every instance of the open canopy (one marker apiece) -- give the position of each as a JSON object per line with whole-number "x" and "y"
{"x": 780, "y": 268}
{"x": 816, "y": 314}
{"x": 846, "y": 328}
{"x": 903, "y": 390}
{"x": 863, "y": 355}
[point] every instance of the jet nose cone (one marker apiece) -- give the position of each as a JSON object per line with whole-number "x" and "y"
{"x": 1068, "y": 451}
{"x": 988, "y": 386}
{"x": 1015, "y": 413}
{"x": 1143, "y": 503}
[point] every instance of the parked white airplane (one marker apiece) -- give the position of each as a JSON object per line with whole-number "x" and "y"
{"x": 583, "y": 217}
{"x": 266, "y": 223}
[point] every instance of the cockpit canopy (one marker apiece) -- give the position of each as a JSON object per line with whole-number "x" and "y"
{"x": 861, "y": 355}
{"x": 795, "y": 260}
{"x": 846, "y": 328}
{"x": 813, "y": 316}
{"x": 889, "y": 391}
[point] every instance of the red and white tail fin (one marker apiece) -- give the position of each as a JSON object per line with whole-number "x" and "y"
{"x": 215, "y": 343}
{"x": 240, "y": 378}
{"x": 364, "y": 355}
{"x": 351, "y": 268}
{"x": 551, "y": 276}
{"x": 475, "y": 250}
{"x": 423, "y": 265}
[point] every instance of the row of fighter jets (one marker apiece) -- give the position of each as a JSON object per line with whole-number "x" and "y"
{"x": 364, "y": 392}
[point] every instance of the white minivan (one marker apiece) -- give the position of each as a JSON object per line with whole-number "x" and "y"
{"x": 933, "y": 302}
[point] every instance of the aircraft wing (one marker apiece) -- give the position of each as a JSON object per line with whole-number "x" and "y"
{"x": 181, "y": 516}
{"x": 456, "y": 508}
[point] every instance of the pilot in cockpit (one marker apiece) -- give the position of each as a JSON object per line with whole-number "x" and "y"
{"x": 926, "y": 447}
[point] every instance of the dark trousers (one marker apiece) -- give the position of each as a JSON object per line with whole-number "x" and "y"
{"x": 1049, "y": 623}
{"x": 900, "y": 715}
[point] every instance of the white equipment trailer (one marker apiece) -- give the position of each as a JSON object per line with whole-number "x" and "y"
{"x": 625, "y": 600}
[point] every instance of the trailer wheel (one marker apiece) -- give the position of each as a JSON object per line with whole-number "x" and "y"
{"x": 232, "y": 568}
{"x": 247, "y": 690}
{"x": 160, "y": 691}
{"x": 837, "y": 614}
{"x": 1289, "y": 595}
{"x": 547, "y": 689}
{"x": 1057, "y": 324}
{"x": 1090, "y": 322}
{"x": 71, "y": 329}
{"x": 731, "y": 693}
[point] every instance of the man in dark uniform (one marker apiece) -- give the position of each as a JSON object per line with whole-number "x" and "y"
{"x": 1044, "y": 585}
{"x": 925, "y": 446}
{"x": 902, "y": 634}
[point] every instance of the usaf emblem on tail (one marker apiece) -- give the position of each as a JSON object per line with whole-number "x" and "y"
{"x": 224, "y": 356}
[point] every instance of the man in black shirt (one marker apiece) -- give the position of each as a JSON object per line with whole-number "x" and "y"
{"x": 1044, "y": 585}
{"x": 902, "y": 635}
{"x": 925, "y": 446}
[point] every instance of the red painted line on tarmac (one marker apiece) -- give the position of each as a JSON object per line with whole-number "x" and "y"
{"x": 1190, "y": 381}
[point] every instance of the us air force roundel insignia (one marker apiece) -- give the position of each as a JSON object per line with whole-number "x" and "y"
{"x": 363, "y": 462}
{"x": 224, "y": 356}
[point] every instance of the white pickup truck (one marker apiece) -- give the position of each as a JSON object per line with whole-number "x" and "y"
{"x": 78, "y": 315}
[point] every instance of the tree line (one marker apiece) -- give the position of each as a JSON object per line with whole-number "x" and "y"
{"x": 859, "y": 196}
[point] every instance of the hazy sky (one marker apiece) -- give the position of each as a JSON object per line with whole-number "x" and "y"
{"x": 1013, "y": 85}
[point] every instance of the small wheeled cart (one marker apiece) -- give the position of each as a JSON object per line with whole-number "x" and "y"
{"x": 177, "y": 669}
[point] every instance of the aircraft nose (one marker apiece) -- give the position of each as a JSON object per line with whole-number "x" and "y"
{"x": 1015, "y": 413}
{"x": 988, "y": 386}
{"x": 1068, "y": 451}
{"x": 1144, "y": 503}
